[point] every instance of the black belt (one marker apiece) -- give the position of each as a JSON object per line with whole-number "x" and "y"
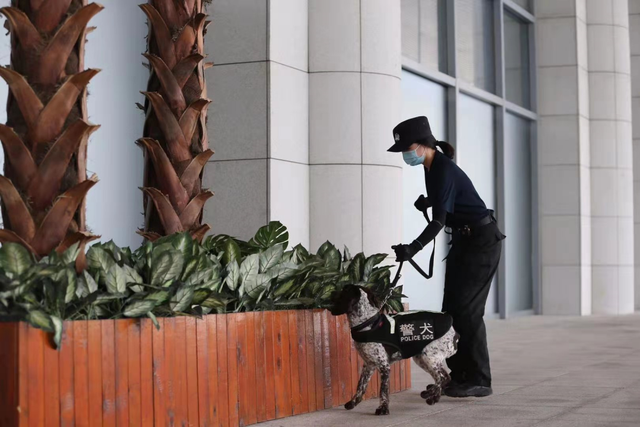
{"x": 465, "y": 230}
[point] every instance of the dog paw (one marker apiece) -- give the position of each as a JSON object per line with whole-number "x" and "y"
{"x": 382, "y": 410}
{"x": 432, "y": 395}
{"x": 429, "y": 391}
{"x": 433, "y": 400}
{"x": 349, "y": 405}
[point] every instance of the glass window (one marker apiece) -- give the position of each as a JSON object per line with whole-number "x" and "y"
{"x": 517, "y": 215}
{"x": 475, "y": 46}
{"x": 516, "y": 60}
{"x": 424, "y": 32}
{"x": 422, "y": 97}
{"x": 476, "y": 155}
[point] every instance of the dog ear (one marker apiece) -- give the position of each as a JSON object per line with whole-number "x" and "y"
{"x": 373, "y": 299}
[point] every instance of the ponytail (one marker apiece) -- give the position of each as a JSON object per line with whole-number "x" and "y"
{"x": 446, "y": 148}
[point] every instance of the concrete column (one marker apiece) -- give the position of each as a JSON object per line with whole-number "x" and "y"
{"x": 634, "y": 32}
{"x": 611, "y": 156}
{"x": 258, "y": 121}
{"x": 354, "y": 102}
{"x": 564, "y": 158}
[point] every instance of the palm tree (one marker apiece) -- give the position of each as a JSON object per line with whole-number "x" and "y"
{"x": 175, "y": 134}
{"x": 45, "y": 140}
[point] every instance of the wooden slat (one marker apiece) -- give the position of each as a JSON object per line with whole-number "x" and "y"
{"x": 335, "y": 361}
{"x": 211, "y": 354}
{"x": 326, "y": 361}
{"x": 318, "y": 348}
{"x": 81, "y": 372}
{"x": 401, "y": 366}
{"x": 23, "y": 372}
{"x": 251, "y": 414}
{"x": 192, "y": 371}
{"x": 134, "y": 376}
{"x": 122, "y": 372}
{"x": 204, "y": 378}
{"x": 344, "y": 348}
{"x": 108, "y": 373}
{"x": 222, "y": 395}
{"x": 408, "y": 373}
{"x": 51, "y": 384}
{"x": 243, "y": 377}
{"x": 94, "y": 365}
{"x": 232, "y": 369}
{"x": 294, "y": 372}
{"x": 355, "y": 366}
{"x": 171, "y": 390}
{"x": 311, "y": 373}
{"x": 270, "y": 376}
{"x": 35, "y": 363}
{"x": 9, "y": 373}
{"x": 180, "y": 373}
{"x": 261, "y": 367}
{"x": 146, "y": 372}
{"x": 66, "y": 362}
{"x": 279, "y": 376}
{"x": 303, "y": 384}
{"x": 159, "y": 374}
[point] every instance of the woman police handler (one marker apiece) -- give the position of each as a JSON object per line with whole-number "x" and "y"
{"x": 473, "y": 259}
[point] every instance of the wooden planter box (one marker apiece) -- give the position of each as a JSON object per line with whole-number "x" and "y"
{"x": 223, "y": 370}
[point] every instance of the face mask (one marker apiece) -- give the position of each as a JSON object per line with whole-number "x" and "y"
{"x": 412, "y": 159}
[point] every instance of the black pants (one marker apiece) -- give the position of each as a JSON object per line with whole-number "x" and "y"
{"x": 471, "y": 264}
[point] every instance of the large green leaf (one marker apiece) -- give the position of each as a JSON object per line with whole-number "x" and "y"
{"x": 57, "y": 330}
{"x": 99, "y": 259}
{"x": 14, "y": 258}
{"x": 324, "y": 248}
{"x": 139, "y": 308}
{"x": 300, "y": 254}
{"x": 231, "y": 252}
{"x": 199, "y": 295}
{"x": 70, "y": 281}
{"x": 282, "y": 288}
{"x": 249, "y": 268}
{"x": 116, "y": 280}
{"x": 113, "y": 249}
{"x": 184, "y": 243}
{"x": 40, "y": 319}
{"x": 182, "y": 299}
{"x": 284, "y": 271}
{"x": 332, "y": 258}
{"x": 90, "y": 282}
{"x": 347, "y": 254}
{"x": 233, "y": 275}
{"x": 200, "y": 276}
{"x": 166, "y": 266}
{"x": 70, "y": 255}
{"x": 371, "y": 262}
{"x": 304, "y": 302}
{"x": 356, "y": 269}
{"x": 154, "y": 320}
{"x": 271, "y": 257}
{"x": 214, "y": 301}
{"x": 255, "y": 287}
{"x": 270, "y": 235}
{"x": 131, "y": 275}
{"x": 159, "y": 297}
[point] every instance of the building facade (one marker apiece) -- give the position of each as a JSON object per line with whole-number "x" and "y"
{"x": 539, "y": 98}
{"x": 536, "y": 96}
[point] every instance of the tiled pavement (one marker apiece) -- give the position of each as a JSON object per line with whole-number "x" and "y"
{"x": 547, "y": 372}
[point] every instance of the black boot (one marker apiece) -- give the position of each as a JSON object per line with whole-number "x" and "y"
{"x": 467, "y": 390}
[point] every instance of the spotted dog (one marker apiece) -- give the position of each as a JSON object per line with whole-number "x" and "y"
{"x": 382, "y": 340}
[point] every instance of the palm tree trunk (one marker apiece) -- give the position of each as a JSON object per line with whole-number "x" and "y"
{"x": 45, "y": 139}
{"x": 175, "y": 134}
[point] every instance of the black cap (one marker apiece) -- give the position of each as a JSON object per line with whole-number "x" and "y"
{"x": 410, "y": 131}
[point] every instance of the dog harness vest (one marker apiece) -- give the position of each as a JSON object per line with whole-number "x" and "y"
{"x": 408, "y": 332}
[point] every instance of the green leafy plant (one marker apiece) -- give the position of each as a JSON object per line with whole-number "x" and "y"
{"x": 178, "y": 276}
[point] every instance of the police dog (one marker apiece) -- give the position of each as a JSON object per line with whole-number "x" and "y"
{"x": 363, "y": 311}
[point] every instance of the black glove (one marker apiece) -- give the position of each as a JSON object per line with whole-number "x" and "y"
{"x": 422, "y": 203}
{"x": 406, "y": 252}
